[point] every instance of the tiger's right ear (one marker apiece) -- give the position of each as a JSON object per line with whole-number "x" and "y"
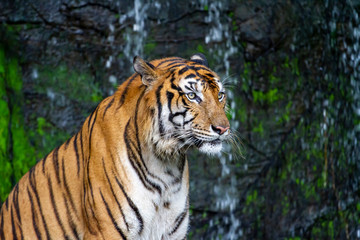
{"x": 145, "y": 69}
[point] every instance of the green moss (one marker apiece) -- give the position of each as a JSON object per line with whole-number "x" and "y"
{"x": 269, "y": 97}
{"x": 259, "y": 129}
{"x": 200, "y": 48}
{"x": 16, "y": 153}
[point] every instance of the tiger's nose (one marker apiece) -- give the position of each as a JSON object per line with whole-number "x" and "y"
{"x": 219, "y": 129}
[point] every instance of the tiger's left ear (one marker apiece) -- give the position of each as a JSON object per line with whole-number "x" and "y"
{"x": 200, "y": 58}
{"x": 146, "y": 70}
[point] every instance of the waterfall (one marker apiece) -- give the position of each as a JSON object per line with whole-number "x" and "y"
{"x": 226, "y": 191}
{"x": 135, "y": 36}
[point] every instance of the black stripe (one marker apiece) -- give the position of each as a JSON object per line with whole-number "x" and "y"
{"x": 108, "y": 106}
{"x": 112, "y": 217}
{"x": 132, "y": 205}
{"x": 193, "y": 85}
{"x": 189, "y": 121}
{"x": 179, "y": 219}
{"x": 87, "y": 197}
{"x": 56, "y": 163}
{"x": 15, "y": 205}
{"x": 132, "y": 156}
{"x": 67, "y": 143}
{"x": 190, "y": 76}
{"x": 199, "y": 68}
{"x": 172, "y": 79}
{"x": 135, "y": 162}
{"x": 81, "y": 145}
{"x": 67, "y": 190}
{"x": 183, "y": 70}
{"x": 173, "y": 86}
{"x": 69, "y": 219}
{"x": 150, "y": 65}
{"x": 177, "y": 179}
{"x": 90, "y": 117}
{"x": 184, "y": 102}
{"x": 180, "y": 113}
{"x": 86, "y": 213}
{"x": 180, "y": 63}
{"x": 124, "y": 93}
{"x": 2, "y": 234}
{"x": 198, "y": 61}
{"x": 170, "y": 60}
{"x": 89, "y": 186}
{"x": 211, "y": 83}
{"x": 89, "y": 183}
{"x": 21, "y": 232}
{"x": 136, "y": 146}
{"x": 188, "y": 88}
{"x": 210, "y": 75}
{"x": 54, "y": 207}
{"x": 144, "y": 175}
{"x": 169, "y": 73}
{"x": 159, "y": 105}
{"x": 137, "y": 127}
{"x": 114, "y": 195}
{"x": 34, "y": 218}
{"x": 43, "y": 163}
{"x": 16, "y": 201}
{"x": 177, "y": 100}
{"x": 174, "y": 67}
{"x": 172, "y": 115}
{"x": 182, "y": 164}
{"x": 94, "y": 216}
{"x": 77, "y": 153}
{"x": 92, "y": 128}
{"x": 13, "y": 224}
{"x": 170, "y": 96}
{"x": 33, "y": 187}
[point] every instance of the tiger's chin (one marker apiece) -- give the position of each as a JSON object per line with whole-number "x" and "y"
{"x": 210, "y": 148}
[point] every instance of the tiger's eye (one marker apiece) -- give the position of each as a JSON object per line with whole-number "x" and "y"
{"x": 221, "y": 96}
{"x": 191, "y": 95}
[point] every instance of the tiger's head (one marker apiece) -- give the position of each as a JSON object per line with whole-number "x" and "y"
{"x": 185, "y": 101}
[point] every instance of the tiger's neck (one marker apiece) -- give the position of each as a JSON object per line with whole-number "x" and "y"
{"x": 140, "y": 140}
{"x": 168, "y": 164}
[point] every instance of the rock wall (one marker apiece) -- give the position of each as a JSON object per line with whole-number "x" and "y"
{"x": 287, "y": 64}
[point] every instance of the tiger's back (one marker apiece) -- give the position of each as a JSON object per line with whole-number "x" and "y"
{"x": 125, "y": 173}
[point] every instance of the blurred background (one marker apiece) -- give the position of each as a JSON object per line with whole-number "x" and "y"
{"x": 292, "y": 72}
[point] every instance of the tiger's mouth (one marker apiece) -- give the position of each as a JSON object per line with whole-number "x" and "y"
{"x": 199, "y": 143}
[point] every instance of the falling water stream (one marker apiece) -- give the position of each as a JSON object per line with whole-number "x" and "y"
{"x": 226, "y": 188}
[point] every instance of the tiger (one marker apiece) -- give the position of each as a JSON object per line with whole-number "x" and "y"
{"x": 125, "y": 174}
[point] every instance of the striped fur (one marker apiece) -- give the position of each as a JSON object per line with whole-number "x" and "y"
{"x": 124, "y": 175}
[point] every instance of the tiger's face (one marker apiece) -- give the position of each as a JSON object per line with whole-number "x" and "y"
{"x": 204, "y": 98}
{"x": 189, "y": 103}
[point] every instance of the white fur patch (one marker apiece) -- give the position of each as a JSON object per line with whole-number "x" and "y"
{"x": 211, "y": 147}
